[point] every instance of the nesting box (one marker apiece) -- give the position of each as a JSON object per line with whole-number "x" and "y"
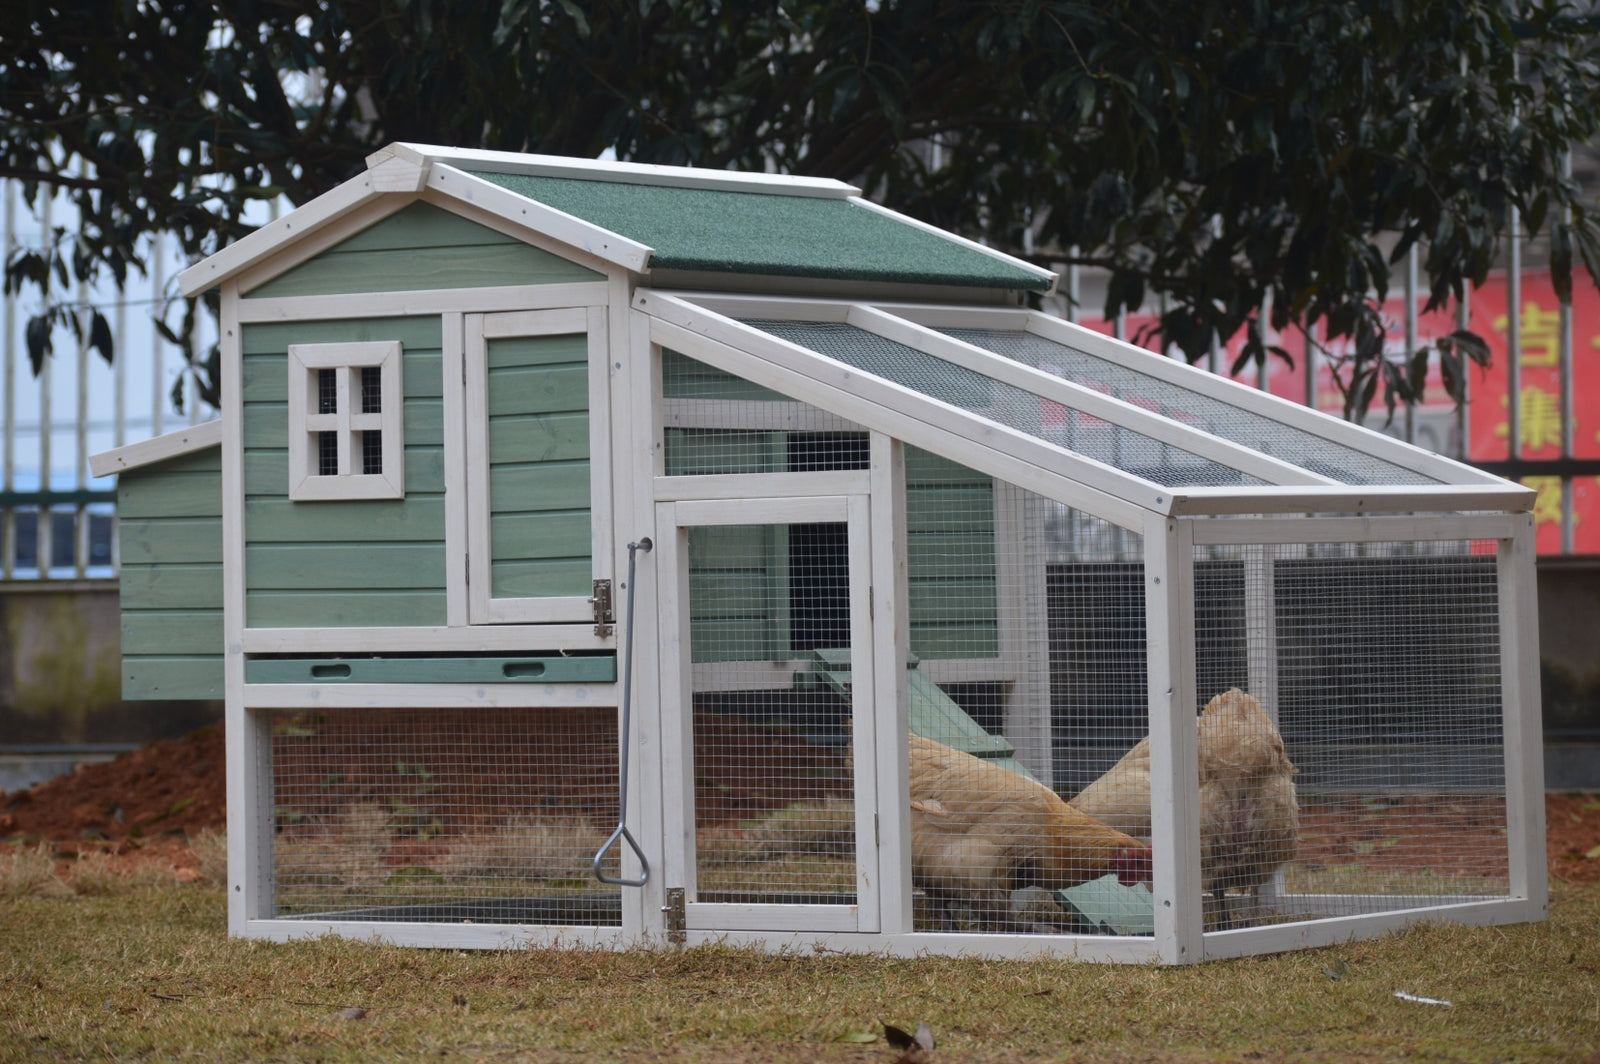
{"x": 952, "y": 627}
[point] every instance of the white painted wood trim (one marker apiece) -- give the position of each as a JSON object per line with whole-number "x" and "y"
{"x": 626, "y": 173}
{"x": 430, "y": 695}
{"x": 863, "y": 715}
{"x": 342, "y": 358}
{"x": 571, "y": 230}
{"x": 550, "y": 638}
{"x": 1077, "y": 397}
{"x": 1174, "y": 742}
{"x": 1286, "y": 499}
{"x": 452, "y": 329}
{"x": 676, "y": 749}
{"x": 441, "y": 935}
{"x": 1109, "y": 949}
{"x": 642, "y": 813}
{"x": 888, "y": 407}
{"x": 752, "y": 415}
{"x": 247, "y": 746}
{"x": 891, "y": 645}
{"x": 721, "y": 917}
{"x": 770, "y": 485}
{"x": 188, "y": 440}
{"x": 308, "y": 245}
{"x": 783, "y": 308}
{"x": 247, "y": 251}
{"x": 422, "y": 302}
{"x": 1020, "y": 591}
{"x": 971, "y": 245}
{"x": 1522, "y": 723}
{"x": 518, "y": 228}
{"x": 1225, "y": 531}
{"x": 1312, "y": 934}
{"x": 758, "y": 511}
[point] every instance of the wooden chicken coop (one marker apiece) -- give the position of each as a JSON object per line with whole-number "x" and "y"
{"x": 604, "y": 554}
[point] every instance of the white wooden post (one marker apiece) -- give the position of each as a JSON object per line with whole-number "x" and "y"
{"x": 891, "y": 635}
{"x": 1174, "y": 769}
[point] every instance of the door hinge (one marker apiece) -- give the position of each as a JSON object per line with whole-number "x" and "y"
{"x": 601, "y": 601}
{"x": 676, "y": 929}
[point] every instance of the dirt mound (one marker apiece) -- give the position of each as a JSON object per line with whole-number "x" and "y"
{"x": 157, "y": 796}
{"x": 174, "y": 787}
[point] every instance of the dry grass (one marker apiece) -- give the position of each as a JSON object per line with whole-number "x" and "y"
{"x": 147, "y": 972}
{"x": 29, "y": 871}
{"x": 535, "y": 849}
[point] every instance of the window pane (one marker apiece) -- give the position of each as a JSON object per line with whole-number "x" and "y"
{"x": 327, "y": 453}
{"x": 327, "y": 392}
{"x": 371, "y": 390}
{"x": 372, "y": 453}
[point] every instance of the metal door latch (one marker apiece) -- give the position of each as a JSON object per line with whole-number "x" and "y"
{"x": 676, "y": 932}
{"x": 601, "y": 601}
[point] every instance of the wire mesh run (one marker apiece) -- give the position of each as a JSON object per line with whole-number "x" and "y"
{"x": 1365, "y": 771}
{"x": 770, "y": 638}
{"x": 1223, "y": 419}
{"x": 716, "y": 423}
{"x": 488, "y": 815}
{"x": 1123, "y": 448}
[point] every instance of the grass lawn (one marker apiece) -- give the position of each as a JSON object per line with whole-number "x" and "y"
{"x": 139, "y": 967}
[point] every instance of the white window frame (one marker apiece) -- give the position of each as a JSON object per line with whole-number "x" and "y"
{"x": 306, "y": 483}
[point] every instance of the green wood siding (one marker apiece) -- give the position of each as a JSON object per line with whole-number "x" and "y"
{"x": 422, "y": 246}
{"x": 346, "y": 563}
{"x": 950, "y": 559}
{"x": 170, "y": 539}
{"x": 539, "y": 477}
{"x": 739, "y": 593}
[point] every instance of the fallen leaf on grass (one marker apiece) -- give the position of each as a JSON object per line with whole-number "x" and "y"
{"x": 1337, "y": 970}
{"x": 858, "y": 1037}
{"x": 1593, "y": 853}
{"x": 354, "y": 1012}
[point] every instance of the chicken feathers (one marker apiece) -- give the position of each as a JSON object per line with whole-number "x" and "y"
{"x": 978, "y": 832}
{"x": 1249, "y": 814}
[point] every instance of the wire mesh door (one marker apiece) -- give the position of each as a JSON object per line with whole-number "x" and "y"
{"x": 768, "y": 746}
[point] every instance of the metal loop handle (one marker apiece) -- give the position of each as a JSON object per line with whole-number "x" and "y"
{"x": 622, "y": 831}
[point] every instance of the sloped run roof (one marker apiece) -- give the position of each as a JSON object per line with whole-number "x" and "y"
{"x": 726, "y": 231}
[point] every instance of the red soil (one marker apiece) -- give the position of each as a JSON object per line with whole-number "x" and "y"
{"x": 149, "y": 803}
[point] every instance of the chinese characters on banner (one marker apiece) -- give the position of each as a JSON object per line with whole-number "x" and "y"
{"x": 1488, "y": 421}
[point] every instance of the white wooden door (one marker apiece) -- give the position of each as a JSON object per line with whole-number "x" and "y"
{"x": 769, "y": 753}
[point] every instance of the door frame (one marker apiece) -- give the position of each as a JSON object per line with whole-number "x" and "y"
{"x": 482, "y": 606}
{"x": 673, "y": 520}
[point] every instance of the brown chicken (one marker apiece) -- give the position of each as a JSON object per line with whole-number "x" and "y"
{"x": 979, "y": 832}
{"x": 1249, "y": 816}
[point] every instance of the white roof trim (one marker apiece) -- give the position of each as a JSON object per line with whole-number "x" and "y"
{"x": 559, "y": 226}
{"x": 254, "y": 247}
{"x": 158, "y": 449}
{"x": 507, "y": 162}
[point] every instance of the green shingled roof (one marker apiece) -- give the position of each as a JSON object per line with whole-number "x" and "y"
{"x": 763, "y": 233}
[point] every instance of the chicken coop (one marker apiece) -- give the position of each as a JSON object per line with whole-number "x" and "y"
{"x": 603, "y": 554}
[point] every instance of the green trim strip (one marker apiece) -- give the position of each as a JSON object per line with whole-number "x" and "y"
{"x": 527, "y": 669}
{"x": 65, "y": 497}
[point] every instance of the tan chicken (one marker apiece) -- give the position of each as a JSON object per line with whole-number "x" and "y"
{"x": 979, "y": 832}
{"x": 1249, "y": 816}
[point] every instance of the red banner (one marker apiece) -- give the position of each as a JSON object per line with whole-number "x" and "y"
{"x": 1488, "y": 420}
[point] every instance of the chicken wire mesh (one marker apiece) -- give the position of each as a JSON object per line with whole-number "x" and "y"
{"x": 770, "y": 650}
{"x": 487, "y": 816}
{"x": 1019, "y": 409}
{"x": 1369, "y": 776}
{"x": 716, "y": 423}
{"x": 1222, "y": 419}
